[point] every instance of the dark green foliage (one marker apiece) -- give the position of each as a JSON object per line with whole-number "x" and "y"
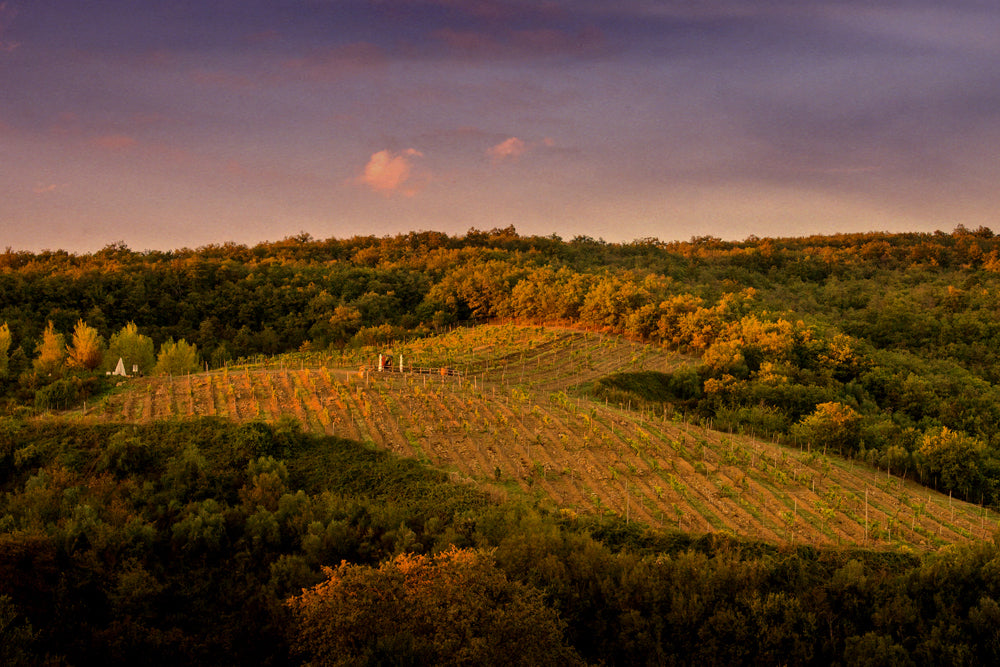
{"x": 67, "y": 393}
{"x": 125, "y": 454}
{"x": 17, "y": 637}
{"x": 180, "y": 542}
{"x": 253, "y": 440}
{"x": 10, "y": 429}
{"x": 650, "y": 388}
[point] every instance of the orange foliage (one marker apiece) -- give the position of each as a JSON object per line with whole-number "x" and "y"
{"x": 453, "y": 608}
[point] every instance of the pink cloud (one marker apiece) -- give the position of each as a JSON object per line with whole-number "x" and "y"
{"x": 113, "y": 142}
{"x": 511, "y": 148}
{"x": 388, "y": 172}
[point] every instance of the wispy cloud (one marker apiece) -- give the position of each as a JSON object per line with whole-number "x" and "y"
{"x": 113, "y": 142}
{"x": 891, "y": 103}
{"x": 511, "y": 148}
{"x": 388, "y": 172}
{"x": 948, "y": 27}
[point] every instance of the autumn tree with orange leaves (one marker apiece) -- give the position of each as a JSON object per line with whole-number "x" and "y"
{"x": 51, "y": 352}
{"x": 86, "y": 350}
{"x": 453, "y": 608}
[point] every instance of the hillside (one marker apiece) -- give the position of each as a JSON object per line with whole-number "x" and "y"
{"x": 700, "y": 453}
{"x": 518, "y": 419}
{"x": 882, "y": 347}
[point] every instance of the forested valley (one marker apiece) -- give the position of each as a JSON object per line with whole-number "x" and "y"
{"x": 202, "y": 540}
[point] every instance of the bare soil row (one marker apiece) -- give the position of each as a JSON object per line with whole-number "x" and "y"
{"x": 583, "y": 456}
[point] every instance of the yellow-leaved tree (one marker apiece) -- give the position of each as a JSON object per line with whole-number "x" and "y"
{"x": 86, "y": 349}
{"x": 4, "y": 348}
{"x": 177, "y": 358}
{"x": 51, "y": 352}
{"x": 832, "y": 424}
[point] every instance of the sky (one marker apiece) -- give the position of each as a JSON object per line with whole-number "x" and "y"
{"x": 183, "y": 123}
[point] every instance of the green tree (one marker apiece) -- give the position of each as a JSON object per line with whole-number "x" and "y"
{"x": 953, "y": 459}
{"x": 17, "y": 637}
{"x": 86, "y": 350}
{"x": 831, "y": 424}
{"x": 344, "y": 323}
{"x": 51, "y": 352}
{"x": 177, "y": 358}
{"x": 132, "y": 348}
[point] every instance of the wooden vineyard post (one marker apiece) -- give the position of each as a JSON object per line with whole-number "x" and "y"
{"x": 795, "y": 516}
{"x": 866, "y": 515}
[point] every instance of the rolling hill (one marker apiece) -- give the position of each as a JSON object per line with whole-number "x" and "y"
{"x": 512, "y": 414}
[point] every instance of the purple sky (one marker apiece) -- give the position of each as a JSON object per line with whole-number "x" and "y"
{"x": 188, "y": 122}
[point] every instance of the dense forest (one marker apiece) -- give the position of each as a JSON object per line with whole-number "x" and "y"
{"x": 207, "y": 542}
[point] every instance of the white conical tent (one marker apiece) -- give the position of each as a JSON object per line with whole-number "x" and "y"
{"x": 120, "y": 368}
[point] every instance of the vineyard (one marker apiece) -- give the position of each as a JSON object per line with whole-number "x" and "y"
{"x": 513, "y": 419}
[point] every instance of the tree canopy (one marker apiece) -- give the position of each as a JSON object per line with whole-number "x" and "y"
{"x": 177, "y": 358}
{"x": 133, "y": 348}
{"x": 86, "y": 351}
{"x": 51, "y": 352}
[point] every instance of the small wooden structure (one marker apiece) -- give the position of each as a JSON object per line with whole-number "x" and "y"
{"x": 385, "y": 365}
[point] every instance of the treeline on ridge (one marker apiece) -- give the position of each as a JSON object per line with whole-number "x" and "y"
{"x": 883, "y": 346}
